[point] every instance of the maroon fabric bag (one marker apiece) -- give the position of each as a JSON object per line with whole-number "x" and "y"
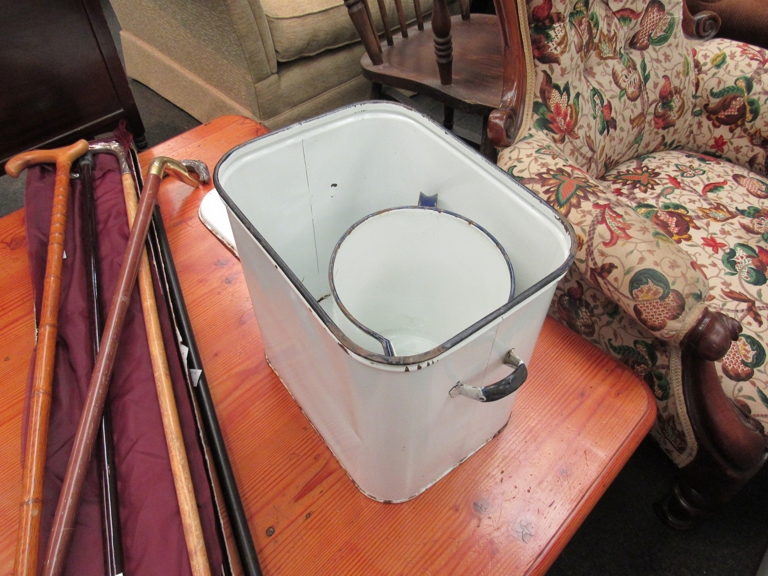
{"x": 153, "y": 539}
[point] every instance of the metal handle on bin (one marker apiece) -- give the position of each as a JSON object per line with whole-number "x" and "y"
{"x": 500, "y": 389}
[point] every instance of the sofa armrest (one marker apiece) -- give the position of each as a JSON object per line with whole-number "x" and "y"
{"x": 223, "y": 42}
{"x": 619, "y": 251}
{"x": 730, "y": 118}
{"x": 250, "y": 22}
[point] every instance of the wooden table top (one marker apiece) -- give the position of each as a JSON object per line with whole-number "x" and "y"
{"x": 509, "y": 509}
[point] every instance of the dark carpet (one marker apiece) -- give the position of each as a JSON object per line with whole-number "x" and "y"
{"x": 622, "y": 536}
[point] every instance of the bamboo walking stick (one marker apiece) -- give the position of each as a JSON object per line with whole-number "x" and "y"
{"x": 94, "y": 403}
{"x": 37, "y": 431}
{"x": 110, "y": 504}
{"x": 182, "y": 478}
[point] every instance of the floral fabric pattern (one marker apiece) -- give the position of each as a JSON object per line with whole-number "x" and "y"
{"x": 619, "y": 251}
{"x": 631, "y": 290}
{"x": 611, "y": 80}
{"x": 721, "y": 224}
{"x": 729, "y": 101}
{"x": 652, "y": 146}
{"x": 600, "y": 320}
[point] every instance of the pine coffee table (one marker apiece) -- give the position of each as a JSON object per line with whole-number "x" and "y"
{"x": 509, "y": 509}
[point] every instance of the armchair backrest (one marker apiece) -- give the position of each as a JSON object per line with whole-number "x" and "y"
{"x": 613, "y": 78}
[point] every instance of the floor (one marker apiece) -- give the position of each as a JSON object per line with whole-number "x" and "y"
{"x": 621, "y": 536}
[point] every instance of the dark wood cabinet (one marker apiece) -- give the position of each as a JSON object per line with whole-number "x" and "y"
{"x": 60, "y": 76}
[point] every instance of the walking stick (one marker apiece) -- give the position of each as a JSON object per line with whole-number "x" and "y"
{"x": 182, "y": 478}
{"x": 202, "y": 394}
{"x": 94, "y": 403}
{"x": 37, "y": 431}
{"x": 171, "y": 426}
{"x": 110, "y": 503}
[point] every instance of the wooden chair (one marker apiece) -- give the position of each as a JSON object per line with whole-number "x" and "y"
{"x": 456, "y": 60}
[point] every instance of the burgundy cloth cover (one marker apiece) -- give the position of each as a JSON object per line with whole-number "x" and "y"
{"x": 153, "y": 540}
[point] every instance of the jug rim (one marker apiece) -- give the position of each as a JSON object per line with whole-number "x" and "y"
{"x": 385, "y": 343}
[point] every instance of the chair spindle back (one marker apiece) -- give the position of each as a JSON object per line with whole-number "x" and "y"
{"x": 362, "y": 17}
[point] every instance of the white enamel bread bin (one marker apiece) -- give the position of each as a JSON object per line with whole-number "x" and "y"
{"x": 397, "y": 424}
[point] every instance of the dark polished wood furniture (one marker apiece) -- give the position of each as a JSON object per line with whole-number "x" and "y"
{"x": 456, "y": 60}
{"x": 731, "y": 449}
{"x": 744, "y": 20}
{"x": 509, "y": 509}
{"x": 62, "y": 77}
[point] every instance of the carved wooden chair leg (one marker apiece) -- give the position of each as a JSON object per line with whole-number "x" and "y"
{"x": 448, "y": 116}
{"x": 376, "y": 91}
{"x": 487, "y": 149}
{"x": 700, "y": 489}
{"x": 731, "y": 446}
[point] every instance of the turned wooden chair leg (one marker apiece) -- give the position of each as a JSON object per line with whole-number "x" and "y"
{"x": 441, "y": 27}
{"x": 376, "y": 91}
{"x": 448, "y": 116}
{"x": 700, "y": 490}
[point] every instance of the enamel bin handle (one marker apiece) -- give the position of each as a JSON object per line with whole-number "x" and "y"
{"x": 498, "y": 390}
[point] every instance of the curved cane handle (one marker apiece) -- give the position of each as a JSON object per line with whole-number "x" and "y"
{"x": 163, "y": 165}
{"x": 65, "y": 155}
{"x": 498, "y": 390}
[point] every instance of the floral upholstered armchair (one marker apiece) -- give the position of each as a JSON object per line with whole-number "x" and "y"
{"x": 654, "y": 144}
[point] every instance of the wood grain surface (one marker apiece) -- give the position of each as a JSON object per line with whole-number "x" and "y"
{"x": 17, "y": 341}
{"x": 45, "y": 354}
{"x": 476, "y": 86}
{"x": 509, "y": 509}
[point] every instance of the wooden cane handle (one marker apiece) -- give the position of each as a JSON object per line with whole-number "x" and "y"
{"x": 40, "y": 406}
{"x": 185, "y": 493}
{"x": 64, "y": 155}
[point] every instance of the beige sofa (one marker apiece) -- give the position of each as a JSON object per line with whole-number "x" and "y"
{"x": 277, "y": 61}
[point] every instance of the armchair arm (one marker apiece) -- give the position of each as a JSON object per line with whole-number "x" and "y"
{"x": 730, "y": 118}
{"x": 620, "y": 252}
{"x": 730, "y": 448}
{"x": 722, "y": 428}
{"x": 511, "y": 119}
{"x": 743, "y": 20}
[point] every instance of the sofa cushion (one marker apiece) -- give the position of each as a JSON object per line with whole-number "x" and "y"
{"x": 714, "y": 210}
{"x": 307, "y": 27}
